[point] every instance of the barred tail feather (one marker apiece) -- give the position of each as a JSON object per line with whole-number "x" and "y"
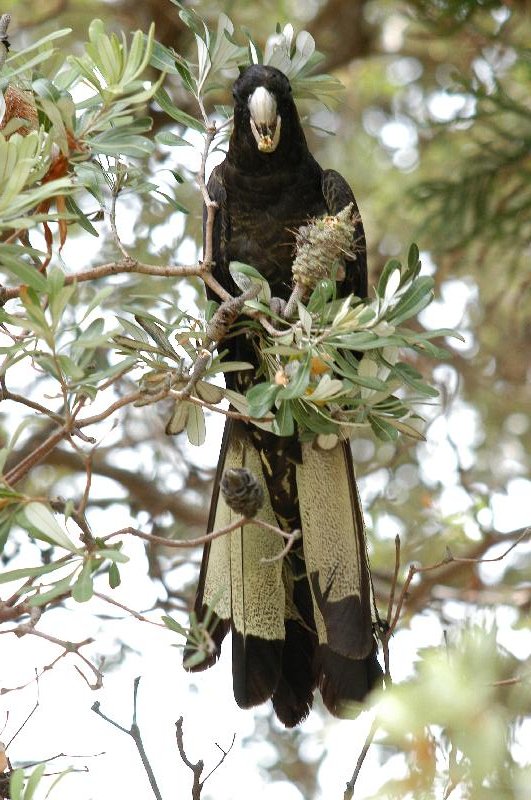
{"x": 243, "y": 584}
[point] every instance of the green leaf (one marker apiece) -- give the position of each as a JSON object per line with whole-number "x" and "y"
{"x": 82, "y": 218}
{"x": 60, "y": 587}
{"x": 83, "y": 588}
{"x": 171, "y": 139}
{"x": 413, "y": 301}
{"x": 392, "y": 265}
{"x": 298, "y": 383}
{"x": 172, "y": 202}
{"x": 245, "y": 276}
{"x": 33, "y": 781}
{"x": 178, "y": 419}
{"x": 16, "y": 784}
{"x": 407, "y": 430}
{"x": 163, "y": 59}
{"x": 195, "y": 425}
{"x": 261, "y": 398}
{"x": 26, "y": 274}
{"x": 97, "y": 300}
{"x": 163, "y": 99}
{"x": 41, "y": 518}
{"x": 321, "y": 295}
{"x": 118, "y": 141}
{"x": 113, "y": 554}
{"x": 284, "y": 424}
{"x": 114, "y": 576}
{"x": 175, "y": 626}
{"x": 209, "y": 392}
{"x": 30, "y": 572}
{"x": 382, "y": 429}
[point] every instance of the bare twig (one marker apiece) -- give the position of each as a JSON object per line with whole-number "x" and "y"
{"x": 134, "y": 732}
{"x": 198, "y": 767}
{"x": 208, "y": 537}
{"x": 125, "y": 266}
{"x": 448, "y": 559}
{"x": 120, "y": 174}
{"x": 349, "y": 790}
{"x": 29, "y": 629}
{"x": 385, "y": 634}
{"x": 128, "y": 610}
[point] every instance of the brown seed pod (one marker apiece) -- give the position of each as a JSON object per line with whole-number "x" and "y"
{"x": 20, "y": 105}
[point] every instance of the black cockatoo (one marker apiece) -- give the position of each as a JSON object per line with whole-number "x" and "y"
{"x": 304, "y": 621}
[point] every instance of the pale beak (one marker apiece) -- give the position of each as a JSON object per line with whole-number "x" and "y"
{"x": 265, "y": 122}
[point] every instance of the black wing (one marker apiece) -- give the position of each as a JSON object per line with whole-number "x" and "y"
{"x": 338, "y": 194}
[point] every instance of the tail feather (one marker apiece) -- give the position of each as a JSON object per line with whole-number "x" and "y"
{"x": 293, "y": 697}
{"x": 343, "y": 681}
{"x": 335, "y": 550}
{"x": 306, "y": 621}
{"x": 243, "y": 583}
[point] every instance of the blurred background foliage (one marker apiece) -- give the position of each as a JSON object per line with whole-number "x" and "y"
{"x": 433, "y": 132}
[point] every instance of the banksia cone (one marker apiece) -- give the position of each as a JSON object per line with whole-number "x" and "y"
{"x": 242, "y": 492}
{"x": 322, "y": 246}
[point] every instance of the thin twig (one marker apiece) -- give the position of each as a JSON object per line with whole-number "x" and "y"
{"x": 120, "y": 172}
{"x": 134, "y": 732}
{"x": 119, "y": 267}
{"x": 130, "y": 611}
{"x": 448, "y": 559}
{"x": 196, "y": 768}
{"x": 208, "y": 537}
{"x": 349, "y": 791}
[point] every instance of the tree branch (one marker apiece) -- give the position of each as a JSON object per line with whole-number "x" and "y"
{"x": 134, "y": 732}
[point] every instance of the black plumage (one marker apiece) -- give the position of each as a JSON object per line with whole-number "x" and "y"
{"x": 305, "y": 621}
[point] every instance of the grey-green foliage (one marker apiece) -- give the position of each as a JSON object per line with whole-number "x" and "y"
{"x": 456, "y": 720}
{"x": 339, "y": 367}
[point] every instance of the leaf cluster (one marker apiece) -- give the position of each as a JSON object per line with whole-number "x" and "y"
{"x": 340, "y": 366}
